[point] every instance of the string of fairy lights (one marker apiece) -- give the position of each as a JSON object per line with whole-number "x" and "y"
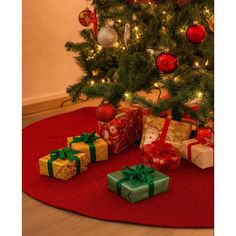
{"x": 137, "y": 32}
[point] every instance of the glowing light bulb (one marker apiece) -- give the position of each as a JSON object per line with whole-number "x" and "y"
{"x": 123, "y": 48}
{"x": 156, "y": 85}
{"x": 136, "y": 28}
{"x": 164, "y": 12}
{"x": 199, "y": 95}
{"x": 116, "y": 45}
{"x": 127, "y": 95}
{"x": 207, "y": 10}
{"x": 92, "y": 51}
{"x": 103, "y": 81}
{"x": 119, "y": 21}
{"x": 92, "y": 82}
{"x": 99, "y": 47}
{"x": 206, "y": 63}
{"x": 95, "y": 72}
{"x": 176, "y": 79}
{"x": 164, "y": 29}
{"x": 196, "y": 63}
{"x": 137, "y": 37}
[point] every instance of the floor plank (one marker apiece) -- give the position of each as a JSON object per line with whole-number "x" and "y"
{"x": 42, "y": 220}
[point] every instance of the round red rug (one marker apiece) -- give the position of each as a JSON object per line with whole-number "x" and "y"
{"x": 189, "y": 203}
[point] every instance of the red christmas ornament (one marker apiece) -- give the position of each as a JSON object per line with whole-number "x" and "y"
{"x": 196, "y": 33}
{"x": 86, "y": 17}
{"x": 105, "y": 112}
{"x": 166, "y": 62}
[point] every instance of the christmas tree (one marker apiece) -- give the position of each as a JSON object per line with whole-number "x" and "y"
{"x": 145, "y": 45}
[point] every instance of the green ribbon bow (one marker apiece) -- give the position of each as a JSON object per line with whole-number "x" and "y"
{"x": 140, "y": 173}
{"x": 63, "y": 154}
{"x": 89, "y": 139}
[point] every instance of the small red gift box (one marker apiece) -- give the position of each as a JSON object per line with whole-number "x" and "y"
{"x": 125, "y": 129}
{"x": 161, "y": 155}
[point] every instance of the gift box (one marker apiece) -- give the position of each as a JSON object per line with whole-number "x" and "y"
{"x": 137, "y": 183}
{"x": 94, "y": 147}
{"x": 200, "y": 154}
{"x": 123, "y": 130}
{"x": 160, "y": 154}
{"x": 152, "y": 128}
{"x": 63, "y": 164}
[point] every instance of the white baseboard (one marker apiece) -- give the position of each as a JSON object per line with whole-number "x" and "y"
{"x": 35, "y": 100}
{"x": 35, "y": 105}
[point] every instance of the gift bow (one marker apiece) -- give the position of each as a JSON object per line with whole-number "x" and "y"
{"x": 140, "y": 173}
{"x": 63, "y": 154}
{"x": 160, "y": 148}
{"x": 163, "y": 150}
{"x": 206, "y": 141}
{"x": 88, "y": 139}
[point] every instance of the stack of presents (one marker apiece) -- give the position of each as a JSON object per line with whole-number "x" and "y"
{"x": 164, "y": 142}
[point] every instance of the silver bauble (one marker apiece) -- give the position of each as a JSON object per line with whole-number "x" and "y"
{"x": 107, "y": 37}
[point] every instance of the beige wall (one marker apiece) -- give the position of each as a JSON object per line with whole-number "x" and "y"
{"x": 47, "y": 67}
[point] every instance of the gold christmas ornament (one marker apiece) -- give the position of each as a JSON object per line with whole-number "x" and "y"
{"x": 211, "y": 23}
{"x": 107, "y": 37}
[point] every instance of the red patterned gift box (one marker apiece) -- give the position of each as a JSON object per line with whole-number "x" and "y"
{"x": 123, "y": 130}
{"x": 159, "y": 154}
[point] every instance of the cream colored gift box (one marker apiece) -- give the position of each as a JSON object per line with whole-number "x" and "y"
{"x": 202, "y": 155}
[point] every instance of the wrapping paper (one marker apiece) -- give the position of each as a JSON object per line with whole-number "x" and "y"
{"x": 135, "y": 191}
{"x": 152, "y": 128}
{"x": 101, "y": 148}
{"x": 123, "y": 130}
{"x": 201, "y": 155}
{"x": 168, "y": 162}
{"x": 63, "y": 169}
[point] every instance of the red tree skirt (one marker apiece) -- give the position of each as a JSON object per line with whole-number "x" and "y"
{"x": 189, "y": 203}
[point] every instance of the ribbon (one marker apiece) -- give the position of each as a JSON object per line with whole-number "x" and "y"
{"x": 88, "y": 139}
{"x": 140, "y": 173}
{"x": 164, "y": 131}
{"x": 63, "y": 154}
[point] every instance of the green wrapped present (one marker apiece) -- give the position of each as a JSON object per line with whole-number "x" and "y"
{"x": 137, "y": 183}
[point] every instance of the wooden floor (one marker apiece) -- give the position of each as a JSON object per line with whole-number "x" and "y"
{"x": 42, "y": 220}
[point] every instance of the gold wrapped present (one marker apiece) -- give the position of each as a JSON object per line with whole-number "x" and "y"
{"x": 95, "y": 148}
{"x": 152, "y": 128}
{"x": 63, "y": 164}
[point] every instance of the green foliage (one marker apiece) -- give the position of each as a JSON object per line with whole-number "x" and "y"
{"x": 121, "y": 69}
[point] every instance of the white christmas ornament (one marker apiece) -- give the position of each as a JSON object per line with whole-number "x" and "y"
{"x": 107, "y": 37}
